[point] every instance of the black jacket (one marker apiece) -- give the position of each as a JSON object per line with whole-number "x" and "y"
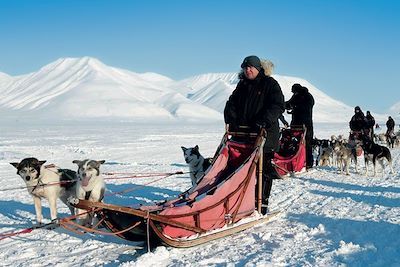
{"x": 358, "y": 122}
{"x": 370, "y": 121}
{"x": 256, "y": 103}
{"x": 301, "y": 104}
{"x": 390, "y": 124}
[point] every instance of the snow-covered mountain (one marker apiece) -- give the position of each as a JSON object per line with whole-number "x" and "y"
{"x": 214, "y": 89}
{"x": 82, "y": 88}
{"x": 85, "y": 88}
{"x": 395, "y": 111}
{"x": 4, "y": 76}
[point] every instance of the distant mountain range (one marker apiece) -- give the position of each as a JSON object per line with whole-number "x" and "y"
{"x": 86, "y": 89}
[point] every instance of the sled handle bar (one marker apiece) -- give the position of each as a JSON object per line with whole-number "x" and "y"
{"x": 244, "y": 134}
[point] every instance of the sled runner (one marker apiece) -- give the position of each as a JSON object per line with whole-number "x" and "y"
{"x": 292, "y": 151}
{"x": 222, "y": 203}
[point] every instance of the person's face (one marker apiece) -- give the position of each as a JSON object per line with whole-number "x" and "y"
{"x": 250, "y": 72}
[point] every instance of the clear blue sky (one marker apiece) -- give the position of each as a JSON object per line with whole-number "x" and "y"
{"x": 349, "y": 49}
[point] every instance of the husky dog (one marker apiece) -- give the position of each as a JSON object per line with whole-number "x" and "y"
{"x": 391, "y": 139}
{"x": 380, "y": 138}
{"x": 325, "y": 156}
{"x": 197, "y": 163}
{"x": 47, "y": 182}
{"x": 341, "y": 138}
{"x": 397, "y": 141}
{"x": 90, "y": 185}
{"x": 373, "y": 152}
{"x": 316, "y": 143}
{"x": 344, "y": 154}
{"x": 324, "y": 153}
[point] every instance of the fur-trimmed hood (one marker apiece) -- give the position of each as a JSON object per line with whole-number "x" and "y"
{"x": 266, "y": 65}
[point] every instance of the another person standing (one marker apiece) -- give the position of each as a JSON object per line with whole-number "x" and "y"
{"x": 390, "y": 126}
{"x": 300, "y": 105}
{"x": 257, "y": 102}
{"x": 370, "y": 124}
{"x": 358, "y": 123}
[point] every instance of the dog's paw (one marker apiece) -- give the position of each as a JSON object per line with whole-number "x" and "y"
{"x": 37, "y": 225}
{"x": 73, "y": 200}
{"x": 52, "y": 225}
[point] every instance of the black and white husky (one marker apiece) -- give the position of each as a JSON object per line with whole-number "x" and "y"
{"x": 47, "y": 182}
{"x": 90, "y": 185}
{"x": 374, "y": 152}
{"x": 197, "y": 163}
{"x": 345, "y": 153}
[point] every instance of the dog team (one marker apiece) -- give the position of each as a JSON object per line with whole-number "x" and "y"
{"x": 52, "y": 183}
{"x": 340, "y": 152}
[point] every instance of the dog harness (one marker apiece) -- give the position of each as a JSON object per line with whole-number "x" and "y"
{"x": 88, "y": 193}
{"x": 39, "y": 183}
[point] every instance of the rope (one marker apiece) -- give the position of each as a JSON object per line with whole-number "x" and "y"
{"x": 145, "y": 175}
{"x": 140, "y": 186}
{"x": 10, "y": 234}
{"x": 25, "y": 231}
{"x": 66, "y": 223}
{"x": 38, "y": 185}
{"x": 107, "y": 178}
{"x": 135, "y": 174}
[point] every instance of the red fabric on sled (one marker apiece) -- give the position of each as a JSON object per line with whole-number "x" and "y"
{"x": 293, "y": 163}
{"x": 235, "y": 160}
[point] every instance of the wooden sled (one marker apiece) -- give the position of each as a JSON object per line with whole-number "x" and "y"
{"x": 221, "y": 204}
{"x": 141, "y": 219}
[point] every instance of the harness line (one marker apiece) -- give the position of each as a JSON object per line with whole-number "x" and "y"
{"x": 106, "y": 178}
{"x": 64, "y": 222}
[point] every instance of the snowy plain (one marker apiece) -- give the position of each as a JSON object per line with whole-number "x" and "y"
{"x": 327, "y": 219}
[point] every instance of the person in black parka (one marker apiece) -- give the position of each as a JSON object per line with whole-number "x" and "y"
{"x": 358, "y": 122}
{"x": 257, "y": 102}
{"x": 300, "y": 105}
{"x": 390, "y": 126}
{"x": 370, "y": 124}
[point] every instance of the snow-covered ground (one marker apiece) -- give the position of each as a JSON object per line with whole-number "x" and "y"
{"x": 328, "y": 219}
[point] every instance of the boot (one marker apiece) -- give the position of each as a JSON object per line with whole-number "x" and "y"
{"x": 264, "y": 209}
{"x": 268, "y": 169}
{"x": 266, "y": 191}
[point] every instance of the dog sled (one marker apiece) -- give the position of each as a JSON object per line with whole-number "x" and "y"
{"x": 222, "y": 203}
{"x": 291, "y": 156}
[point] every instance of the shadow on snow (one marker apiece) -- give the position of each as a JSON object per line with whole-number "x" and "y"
{"x": 372, "y": 188}
{"x": 379, "y": 241}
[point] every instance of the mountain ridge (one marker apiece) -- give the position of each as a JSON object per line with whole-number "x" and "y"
{"x": 85, "y": 88}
